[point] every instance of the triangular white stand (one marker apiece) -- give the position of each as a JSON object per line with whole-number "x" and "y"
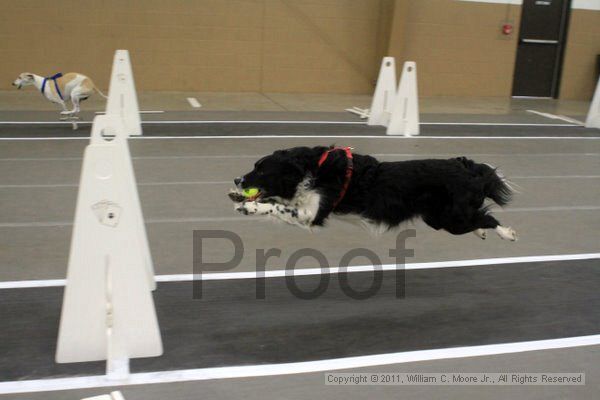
{"x": 108, "y": 311}
{"x": 385, "y": 93}
{"x": 117, "y": 395}
{"x": 405, "y": 113}
{"x": 122, "y": 99}
{"x": 593, "y": 117}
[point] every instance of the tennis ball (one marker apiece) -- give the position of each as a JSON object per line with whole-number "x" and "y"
{"x": 251, "y": 192}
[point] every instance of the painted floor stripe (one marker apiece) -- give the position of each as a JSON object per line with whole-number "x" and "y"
{"x": 286, "y": 136}
{"x": 194, "y": 102}
{"x": 547, "y": 209}
{"x": 554, "y": 116}
{"x": 291, "y": 122}
{"x": 252, "y": 156}
{"x": 141, "y": 112}
{"x": 191, "y": 183}
{"x": 60, "y": 185}
{"x": 333, "y": 270}
{"x": 47, "y": 224}
{"x": 556, "y": 177}
{"x": 44, "y": 385}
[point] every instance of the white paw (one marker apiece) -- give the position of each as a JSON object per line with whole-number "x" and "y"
{"x": 507, "y": 233}
{"x": 480, "y": 233}
{"x": 66, "y": 112}
{"x": 247, "y": 208}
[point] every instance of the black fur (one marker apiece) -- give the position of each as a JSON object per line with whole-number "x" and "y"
{"x": 447, "y": 194}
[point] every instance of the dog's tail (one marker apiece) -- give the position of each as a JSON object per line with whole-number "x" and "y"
{"x": 99, "y": 91}
{"x": 495, "y": 184}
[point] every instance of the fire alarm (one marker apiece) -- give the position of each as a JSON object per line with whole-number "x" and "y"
{"x": 507, "y": 29}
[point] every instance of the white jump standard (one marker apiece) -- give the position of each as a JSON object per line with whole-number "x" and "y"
{"x": 395, "y": 108}
{"x": 593, "y": 117}
{"x": 385, "y": 94}
{"x": 108, "y": 311}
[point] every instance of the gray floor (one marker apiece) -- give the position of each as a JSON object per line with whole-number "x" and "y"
{"x": 183, "y": 183}
{"x": 312, "y": 385}
{"x": 516, "y": 117}
{"x": 222, "y": 323}
{"x": 183, "y": 186}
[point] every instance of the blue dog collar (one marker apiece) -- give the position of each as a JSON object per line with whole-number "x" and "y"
{"x": 54, "y": 78}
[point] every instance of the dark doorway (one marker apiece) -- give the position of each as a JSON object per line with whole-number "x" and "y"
{"x": 541, "y": 42}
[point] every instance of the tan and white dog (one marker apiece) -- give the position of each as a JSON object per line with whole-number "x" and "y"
{"x": 61, "y": 88}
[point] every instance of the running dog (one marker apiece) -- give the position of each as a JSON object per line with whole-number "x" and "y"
{"x": 304, "y": 186}
{"x": 61, "y": 88}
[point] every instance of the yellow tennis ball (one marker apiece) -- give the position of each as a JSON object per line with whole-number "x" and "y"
{"x": 251, "y": 192}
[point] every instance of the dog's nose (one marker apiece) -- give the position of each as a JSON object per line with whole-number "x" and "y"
{"x": 238, "y": 181}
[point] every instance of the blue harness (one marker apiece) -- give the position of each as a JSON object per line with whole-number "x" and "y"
{"x": 54, "y": 78}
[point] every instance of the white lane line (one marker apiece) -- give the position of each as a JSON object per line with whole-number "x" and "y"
{"x": 556, "y": 177}
{"x": 371, "y": 137}
{"x": 554, "y": 116}
{"x": 546, "y": 209}
{"x": 493, "y": 124}
{"x": 205, "y": 122}
{"x": 482, "y": 155}
{"x": 291, "y": 122}
{"x": 62, "y": 185}
{"x": 25, "y": 159}
{"x": 48, "y": 224}
{"x": 192, "y": 183}
{"x": 141, "y": 112}
{"x": 247, "y": 371}
{"x": 332, "y": 270}
{"x": 286, "y": 136}
{"x": 251, "y": 156}
{"x": 194, "y": 102}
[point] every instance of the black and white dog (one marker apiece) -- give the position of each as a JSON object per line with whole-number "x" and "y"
{"x": 304, "y": 186}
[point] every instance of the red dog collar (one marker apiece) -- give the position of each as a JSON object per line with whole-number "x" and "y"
{"x": 349, "y": 170}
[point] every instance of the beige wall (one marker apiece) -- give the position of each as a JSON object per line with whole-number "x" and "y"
{"x": 207, "y": 45}
{"x": 319, "y": 46}
{"x": 583, "y": 46}
{"x": 458, "y": 46}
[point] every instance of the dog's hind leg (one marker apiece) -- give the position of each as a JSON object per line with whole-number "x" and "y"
{"x": 75, "y": 97}
{"x": 487, "y": 221}
{"x": 480, "y": 233}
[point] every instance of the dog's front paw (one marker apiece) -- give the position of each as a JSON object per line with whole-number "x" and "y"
{"x": 507, "y": 233}
{"x": 236, "y": 197}
{"x": 247, "y": 208}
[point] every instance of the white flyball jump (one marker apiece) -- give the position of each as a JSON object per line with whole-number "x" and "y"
{"x": 108, "y": 312}
{"x": 405, "y": 112}
{"x": 123, "y": 104}
{"x": 385, "y": 93}
{"x": 395, "y": 108}
{"x": 117, "y": 395}
{"x": 593, "y": 117}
